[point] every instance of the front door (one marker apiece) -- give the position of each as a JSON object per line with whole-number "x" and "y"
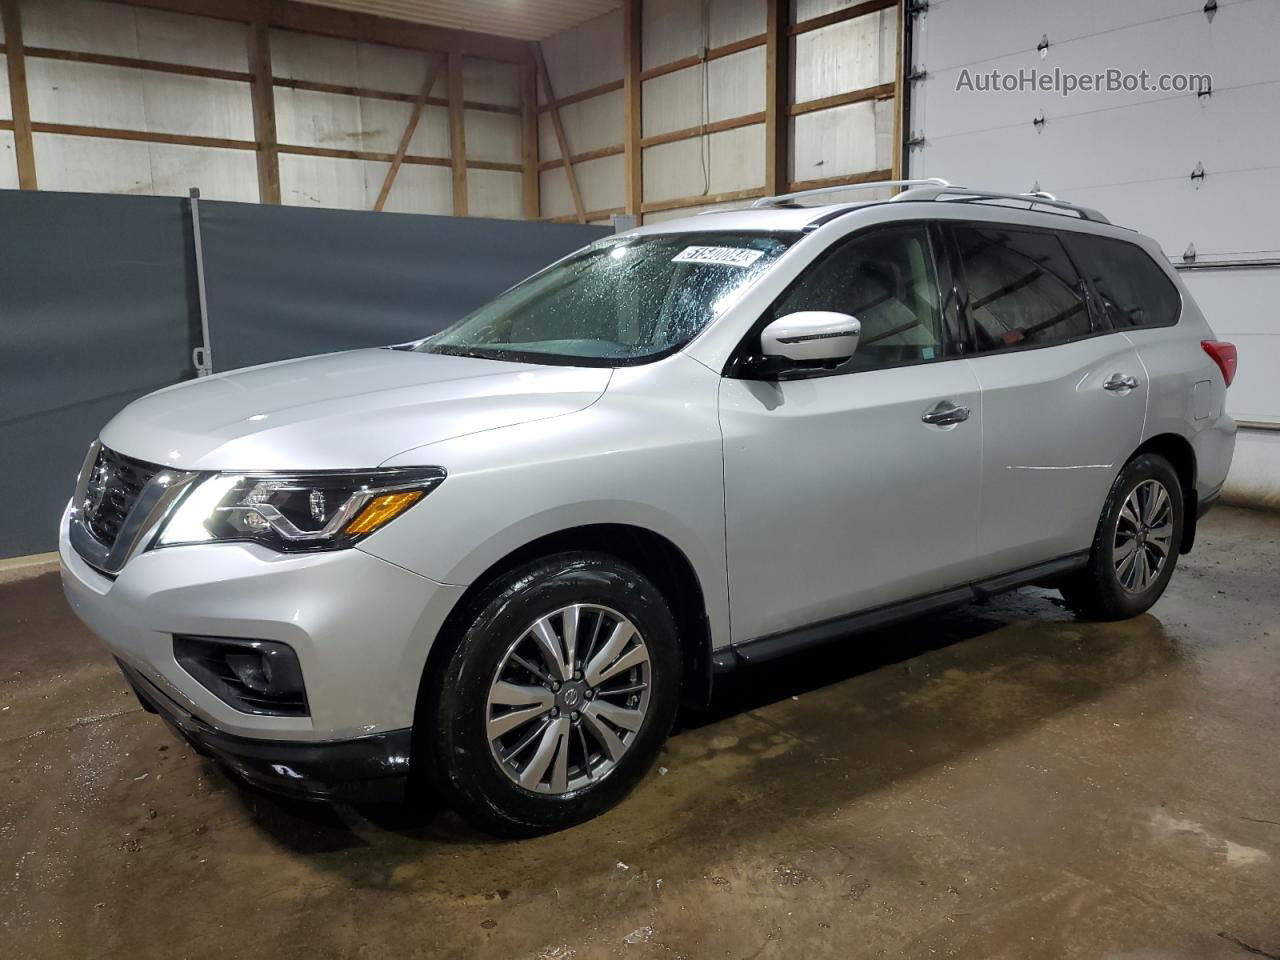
{"x": 839, "y": 496}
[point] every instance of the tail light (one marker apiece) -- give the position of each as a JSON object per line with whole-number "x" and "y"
{"x": 1224, "y": 355}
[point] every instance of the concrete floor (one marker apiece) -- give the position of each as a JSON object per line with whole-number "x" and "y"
{"x": 1002, "y": 781}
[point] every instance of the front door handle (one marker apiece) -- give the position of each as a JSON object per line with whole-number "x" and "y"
{"x": 945, "y": 413}
{"x": 1121, "y": 382}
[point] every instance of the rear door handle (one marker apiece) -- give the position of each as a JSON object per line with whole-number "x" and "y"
{"x": 945, "y": 413}
{"x": 1121, "y": 381}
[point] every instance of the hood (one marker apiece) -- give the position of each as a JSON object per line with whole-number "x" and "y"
{"x": 343, "y": 410}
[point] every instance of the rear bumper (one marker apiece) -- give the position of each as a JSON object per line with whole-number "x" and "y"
{"x": 1207, "y": 502}
{"x": 371, "y": 769}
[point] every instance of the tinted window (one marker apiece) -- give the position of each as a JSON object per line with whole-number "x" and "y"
{"x": 1134, "y": 291}
{"x": 885, "y": 279}
{"x": 618, "y": 301}
{"x": 1022, "y": 288}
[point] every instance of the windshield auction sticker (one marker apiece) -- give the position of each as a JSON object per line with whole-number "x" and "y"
{"x": 724, "y": 256}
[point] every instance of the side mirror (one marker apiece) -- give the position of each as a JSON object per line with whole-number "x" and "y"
{"x": 811, "y": 336}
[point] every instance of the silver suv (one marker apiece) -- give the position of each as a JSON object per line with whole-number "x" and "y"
{"x": 494, "y": 563}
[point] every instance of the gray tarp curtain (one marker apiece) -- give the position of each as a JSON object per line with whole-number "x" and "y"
{"x": 98, "y": 306}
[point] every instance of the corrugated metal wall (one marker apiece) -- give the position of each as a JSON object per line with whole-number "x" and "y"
{"x": 1132, "y": 154}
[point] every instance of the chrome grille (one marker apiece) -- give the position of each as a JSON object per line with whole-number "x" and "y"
{"x": 114, "y": 485}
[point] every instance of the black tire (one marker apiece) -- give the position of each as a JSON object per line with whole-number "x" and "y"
{"x": 455, "y": 710}
{"x": 1098, "y": 592}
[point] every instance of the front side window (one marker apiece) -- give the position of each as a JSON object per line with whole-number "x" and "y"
{"x": 1133, "y": 290}
{"x": 885, "y": 278}
{"x": 1023, "y": 289}
{"x": 617, "y": 302}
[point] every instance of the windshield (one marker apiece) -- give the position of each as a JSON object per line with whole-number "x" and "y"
{"x": 620, "y": 301}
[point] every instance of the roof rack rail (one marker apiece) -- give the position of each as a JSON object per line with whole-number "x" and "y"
{"x": 784, "y": 199}
{"x": 934, "y": 188}
{"x": 957, "y": 194}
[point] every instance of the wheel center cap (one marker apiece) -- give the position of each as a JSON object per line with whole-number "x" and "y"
{"x": 572, "y": 695}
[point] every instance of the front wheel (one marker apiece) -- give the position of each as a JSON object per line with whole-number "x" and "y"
{"x": 1136, "y": 544}
{"x": 558, "y": 697}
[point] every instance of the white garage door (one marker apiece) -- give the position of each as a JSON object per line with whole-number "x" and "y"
{"x": 1192, "y": 170}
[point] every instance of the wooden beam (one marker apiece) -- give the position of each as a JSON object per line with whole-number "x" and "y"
{"x": 588, "y": 94}
{"x": 599, "y": 154}
{"x": 415, "y": 115}
{"x": 19, "y": 105}
{"x": 777, "y": 96}
{"x": 898, "y": 99}
{"x": 565, "y": 157}
{"x": 347, "y": 25}
{"x": 716, "y": 126}
{"x": 135, "y": 63}
{"x": 585, "y": 217}
{"x": 632, "y": 105}
{"x": 867, "y": 177}
{"x": 840, "y": 16}
{"x": 531, "y": 185}
{"x": 703, "y": 200}
{"x": 368, "y": 93}
{"x": 457, "y": 136}
{"x": 715, "y": 53}
{"x": 881, "y": 91}
{"x": 142, "y": 136}
{"x": 264, "y": 112}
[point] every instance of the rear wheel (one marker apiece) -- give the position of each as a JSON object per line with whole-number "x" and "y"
{"x": 1135, "y": 547}
{"x": 558, "y": 697}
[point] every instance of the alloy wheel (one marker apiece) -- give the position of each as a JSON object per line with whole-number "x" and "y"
{"x": 568, "y": 699}
{"x": 1144, "y": 536}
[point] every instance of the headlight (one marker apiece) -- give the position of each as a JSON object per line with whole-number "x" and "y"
{"x": 296, "y": 511}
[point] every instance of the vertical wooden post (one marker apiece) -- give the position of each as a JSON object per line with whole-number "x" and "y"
{"x": 777, "y": 97}
{"x": 899, "y": 81}
{"x": 532, "y": 192}
{"x": 433, "y": 71}
{"x": 558, "y": 126}
{"x": 21, "y": 106}
{"x": 457, "y": 136}
{"x": 264, "y": 112}
{"x": 632, "y": 87}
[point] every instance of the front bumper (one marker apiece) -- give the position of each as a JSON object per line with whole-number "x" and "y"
{"x": 371, "y": 769}
{"x": 361, "y": 628}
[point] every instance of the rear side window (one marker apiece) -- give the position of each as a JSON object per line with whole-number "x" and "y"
{"x": 1133, "y": 290}
{"x": 1023, "y": 289}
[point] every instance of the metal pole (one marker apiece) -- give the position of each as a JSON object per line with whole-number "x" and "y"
{"x": 201, "y": 356}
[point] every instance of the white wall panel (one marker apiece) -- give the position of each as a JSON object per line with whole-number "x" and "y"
{"x": 419, "y": 189}
{"x": 846, "y": 56}
{"x": 8, "y": 162}
{"x": 584, "y": 57}
{"x": 494, "y": 193}
{"x": 96, "y": 95}
{"x": 301, "y": 56}
{"x": 670, "y": 30}
{"x": 855, "y": 138}
{"x": 553, "y": 191}
{"x": 733, "y": 20}
{"x": 329, "y": 182}
{"x": 674, "y": 170}
{"x": 395, "y": 69}
{"x": 6, "y": 105}
{"x": 92, "y": 26}
{"x": 488, "y": 81}
{"x": 721, "y": 89}
{"x": 588, "y": 125}
{"x": 492, "y": 136}
{"x": 91, "y": 165}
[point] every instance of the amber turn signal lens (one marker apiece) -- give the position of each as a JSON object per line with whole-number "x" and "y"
{"x": 381, "y": 510}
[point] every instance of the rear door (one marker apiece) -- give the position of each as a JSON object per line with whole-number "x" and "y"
{"x": 1063, "y": 396}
